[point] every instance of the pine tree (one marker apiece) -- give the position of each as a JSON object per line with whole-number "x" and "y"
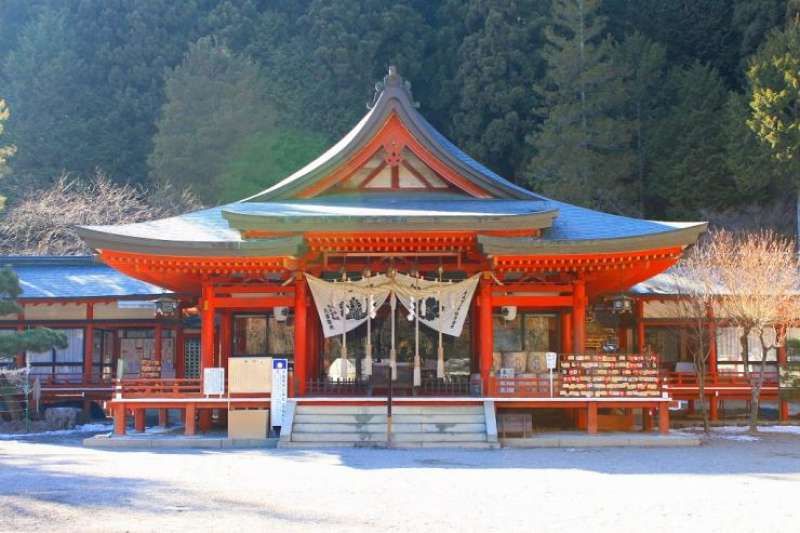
{"x": 689, "y": 169}
{"x": 215, "y": 100}
{"x": 495, "y": 69}
{"x": 36, "y": 339}
{"x": 645, "y": 65}
{"x": 582, "y": 149}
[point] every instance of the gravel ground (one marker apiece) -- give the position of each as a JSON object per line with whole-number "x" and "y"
{"x": 54, "y": 484}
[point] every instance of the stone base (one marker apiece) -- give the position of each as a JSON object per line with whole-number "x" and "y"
{"x": 198, "y": 442}
{"x": 602, "y": 440}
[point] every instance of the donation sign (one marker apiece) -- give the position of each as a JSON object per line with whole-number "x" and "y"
{"x": 280, "y": 382}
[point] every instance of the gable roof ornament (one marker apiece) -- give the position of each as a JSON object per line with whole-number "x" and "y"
{"x": 393, "y": 80}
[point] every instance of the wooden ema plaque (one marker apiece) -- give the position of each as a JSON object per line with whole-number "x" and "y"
{"x": 250, "y": 375}
{"x": 610, "y": 376}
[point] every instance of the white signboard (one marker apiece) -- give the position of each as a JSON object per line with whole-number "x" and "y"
{"x": 214, "y": 381}
{"x": 551, "y": 360}
{"x": 280, "y": 382}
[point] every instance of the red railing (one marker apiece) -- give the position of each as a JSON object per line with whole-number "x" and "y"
{"x": 524, "y": 387}
{"x": 70, "y": 380}
{"x": 719, "y": 379}
{"x": 159, "y": 388}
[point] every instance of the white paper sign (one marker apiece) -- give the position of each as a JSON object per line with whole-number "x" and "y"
{"x": 278, "y": 397}
{"x": 213, "y": 381}
{"x": 551, "y": 360}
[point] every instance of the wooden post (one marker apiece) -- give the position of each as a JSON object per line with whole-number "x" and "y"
{"x": 204, "y": 419}
{"x": 119, "y": 419}
{"x": 579, "y": 317}
{"x": 88, "y": 344}
{"x": 21, "y": 356}
{"x": 783, "y": 405}
{"x": 639, "y": 310}
{"x": 663, "y": 418}
{"x": 300, "y": 335}
{"x": 566, "y": 332}
{"x": 189, "y": 422}
{"x": 647, "y": 420}
{"x": 622, "y": 339}
{"x": 591, "y": 418}
{"x": 485, "y": 330}
{"x": 711, "y": 367}
{"x": 180, "y": 370}
{"x": 225, "y": 337}
{"x": 713, "y": 409}
{"x": 206, "y": 328}
{"x": 163, "y": 417}
{"x": 157, "y": 335}
{"x": 138, "y": 419}
{"x": 312, "y": 344}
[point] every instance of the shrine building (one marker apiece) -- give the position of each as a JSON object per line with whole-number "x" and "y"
{"x": 394, "y": 258}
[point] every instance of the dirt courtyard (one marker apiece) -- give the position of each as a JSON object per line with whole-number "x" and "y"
{"x": 731, "y": 484}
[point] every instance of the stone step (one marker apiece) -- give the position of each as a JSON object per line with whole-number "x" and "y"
{"x": 476, "y": 418}
{"x": 343, "y": 438}
{"x": 396, "y": 428}
{"x": 438, "y": 437}
{"x": 310, "y": 418}
{"x": 381, "y": 409}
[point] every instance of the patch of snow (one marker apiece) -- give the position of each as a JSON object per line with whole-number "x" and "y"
{"x": 85, "y": 428}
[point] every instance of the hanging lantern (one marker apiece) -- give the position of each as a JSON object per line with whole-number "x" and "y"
{"x": 621, "y": 304}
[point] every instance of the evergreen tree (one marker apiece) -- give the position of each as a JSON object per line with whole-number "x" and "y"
{"x": 54, "y": 112}
{"x": 36, "y": 339}
{"x": 5, "y": 151}
{"x": 582, "y": 149}
{"x": 495, "y": 70}
{"x": 774, "y": 86}
{"x": 689, "y": 170}
{"x": 645, "y": 65}
{"x": 215, "y": 100}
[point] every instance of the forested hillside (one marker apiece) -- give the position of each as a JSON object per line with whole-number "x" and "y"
{"x": 660, "y": 108}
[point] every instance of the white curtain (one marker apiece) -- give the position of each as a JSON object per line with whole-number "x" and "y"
{"x": 345, "y": 305}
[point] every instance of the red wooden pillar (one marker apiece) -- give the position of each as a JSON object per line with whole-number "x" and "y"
{"x": 225, "y": 337}
{"x": 622, "y": 339}
{"x": 639, "y": 315}
{"x": 713, "y": 408}
{"x": 189, "y": 419}
{"x": 300, "y": 335}
{"x": 163, "y": 417}
{"x": 206, "y": 328}
{"x": 312, "y": 344}
{"x": 591, "y": 418}
{"x": 138, "y": 420}
{"x": 663, "y": 418}
{"x": 579, "y": 317}
{"x": 712, "y": 341}
{"x": 180, "y": 371}
{"x": 647, "y": 420}
{"x": 88, "y": 344}
{"x": 783, "y": 405}
{"x": 485, "y": 331}
{"x": 119, "y": 419}
{"x": 158, "y": 333}
{"x": 566, "y": 332}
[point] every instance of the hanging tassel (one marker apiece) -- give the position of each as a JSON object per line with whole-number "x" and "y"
{"x": 367, "y": 369}
{"x": 393, "y": 350}
{"x": 417, "y": 361}
{"x": 440, "y": 349}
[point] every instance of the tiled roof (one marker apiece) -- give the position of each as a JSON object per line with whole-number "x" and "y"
{"x": 74, "y": 277}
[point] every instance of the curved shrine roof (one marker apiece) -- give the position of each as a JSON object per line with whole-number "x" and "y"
{"x": 289, "y": 206}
